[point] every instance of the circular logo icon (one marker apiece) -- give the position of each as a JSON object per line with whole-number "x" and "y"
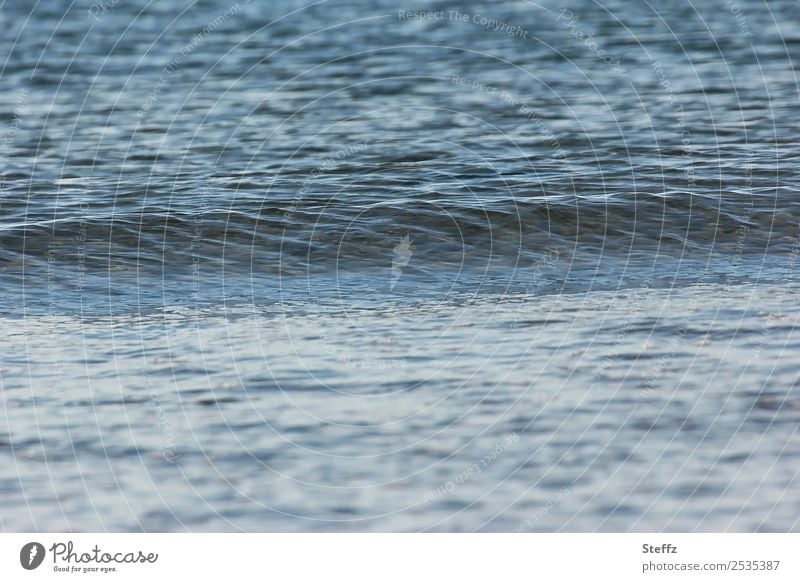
{"x": 31, "y": 555}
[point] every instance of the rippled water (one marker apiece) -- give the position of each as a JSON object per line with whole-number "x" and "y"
{"x": 345, "y": 266}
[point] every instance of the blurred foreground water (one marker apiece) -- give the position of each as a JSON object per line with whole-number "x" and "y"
{"x": 344, "y": 267}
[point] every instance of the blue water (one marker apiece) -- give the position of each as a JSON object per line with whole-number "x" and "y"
{"x": 349, "y": 266}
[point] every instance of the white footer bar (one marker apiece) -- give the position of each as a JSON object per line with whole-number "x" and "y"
{"x": 400, "y": 557}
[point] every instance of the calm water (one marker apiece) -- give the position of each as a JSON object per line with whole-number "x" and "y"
{"x": 345, "y": 266}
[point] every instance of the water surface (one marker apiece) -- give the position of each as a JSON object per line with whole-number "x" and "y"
{"x": 342, "y": 266}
